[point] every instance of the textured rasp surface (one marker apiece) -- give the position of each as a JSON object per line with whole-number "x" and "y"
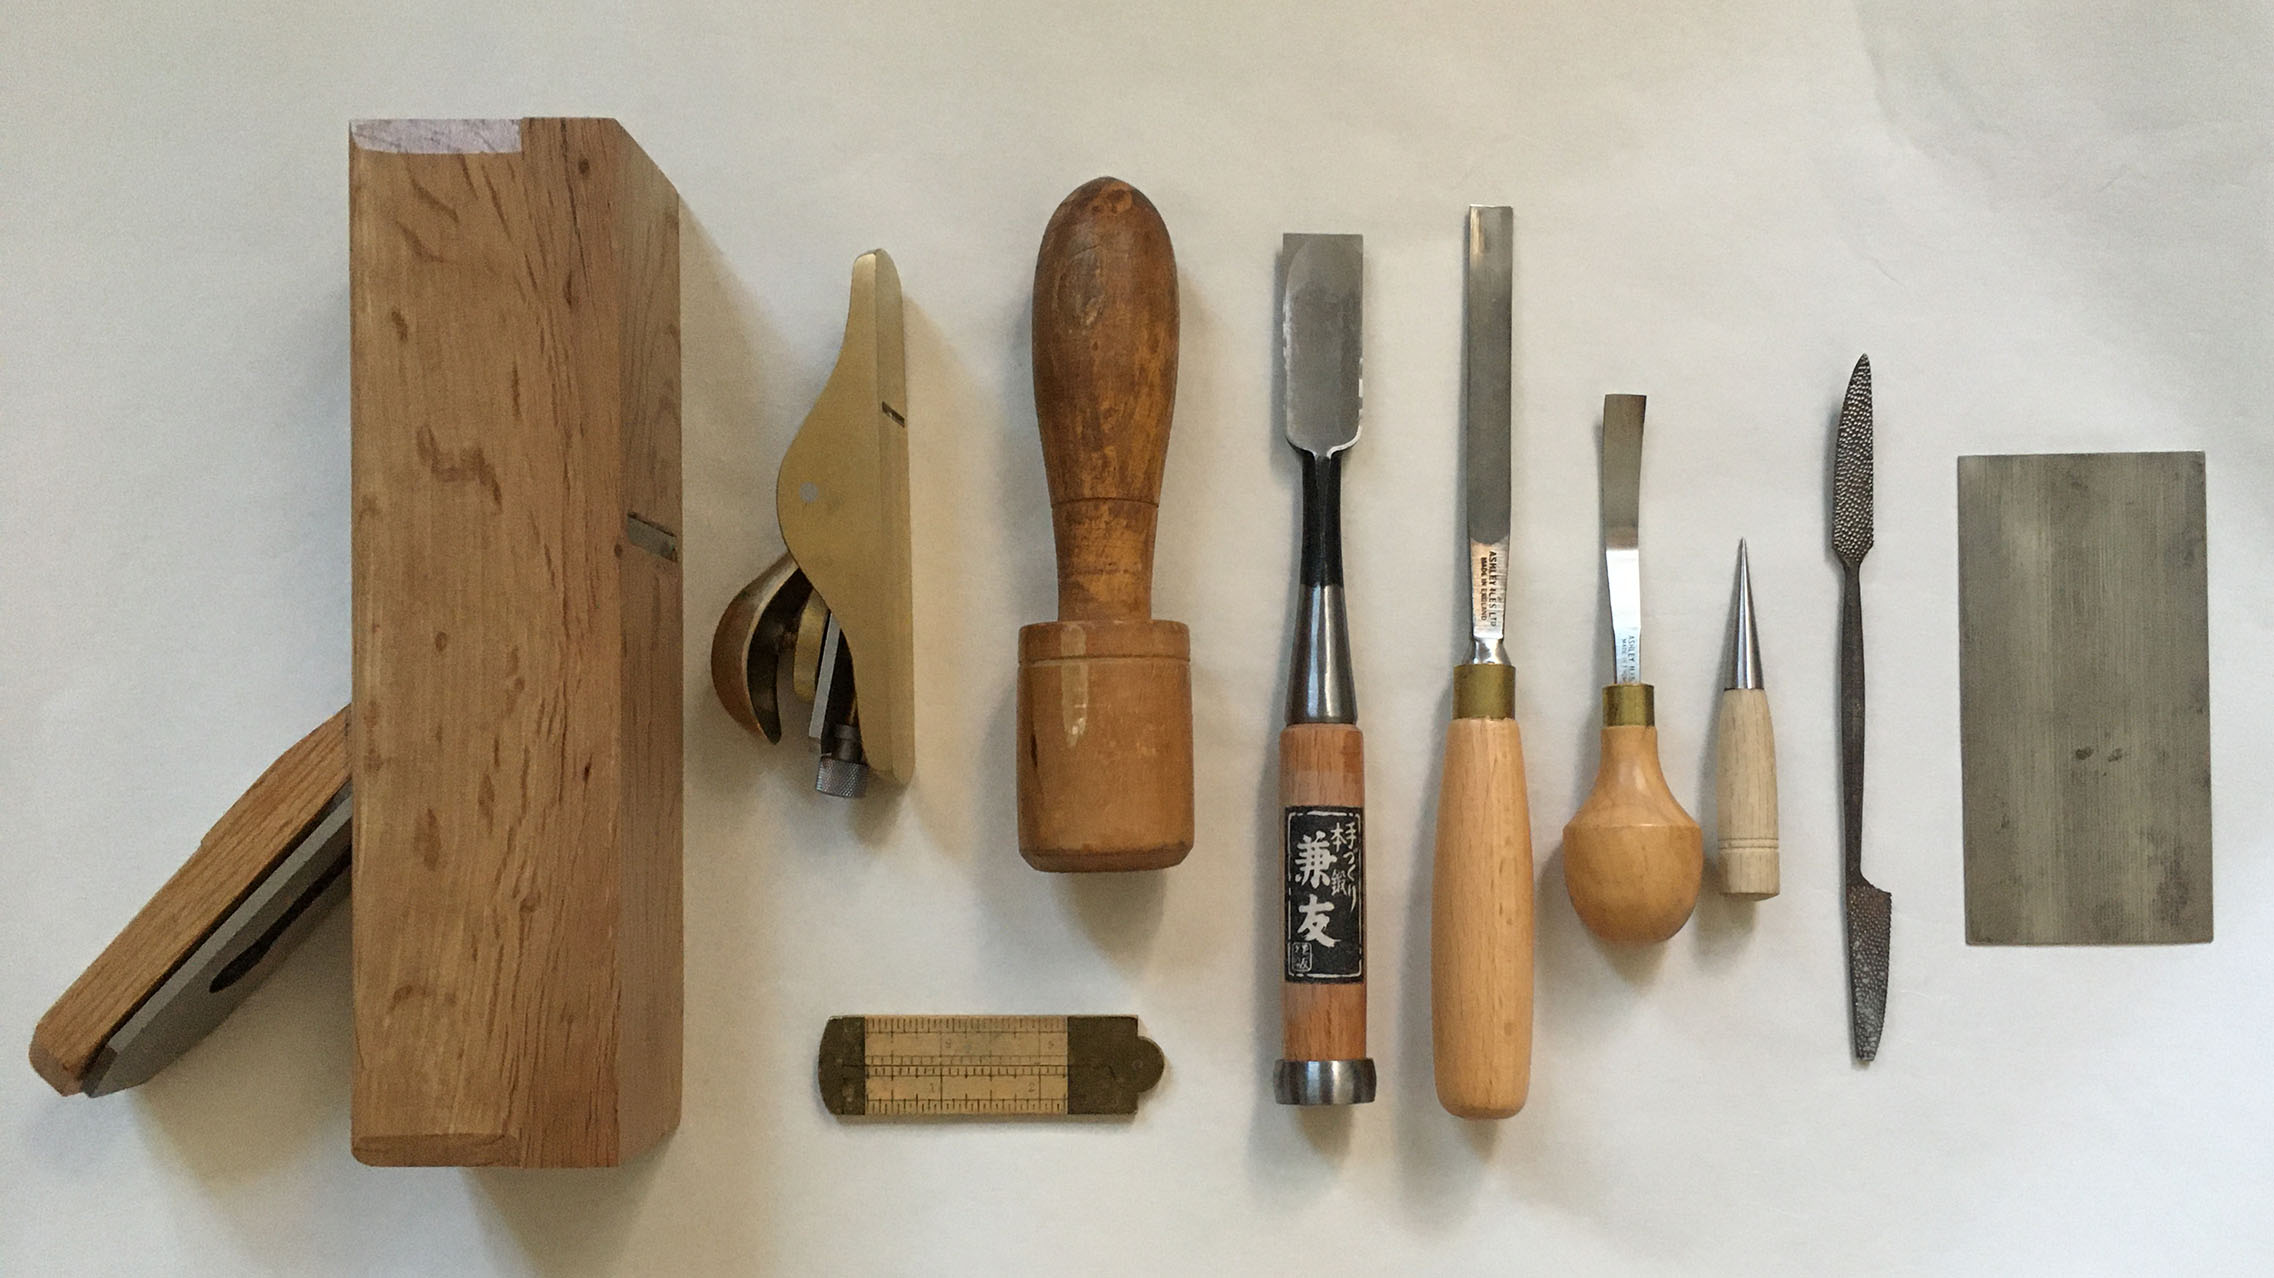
{"x": 1870, "y": 920}
{"x": 1851, "y": 469}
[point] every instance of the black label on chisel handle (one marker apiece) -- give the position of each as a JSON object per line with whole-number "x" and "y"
{"x": 1326, "y": 894}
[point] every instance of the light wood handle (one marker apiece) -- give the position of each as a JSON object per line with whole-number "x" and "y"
{"x": 1632, "y": 857}
{"x": 1480, "y": 947}
{"x": 1105, "y": 355}
{"x": 1745, "y": 795}
{"x": 1323, "y": 765}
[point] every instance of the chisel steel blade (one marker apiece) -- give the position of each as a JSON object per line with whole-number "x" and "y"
{"x": 1320, "y": 325}
{"x": 1487, "y": 334}
{"x": 1622, "y": 518}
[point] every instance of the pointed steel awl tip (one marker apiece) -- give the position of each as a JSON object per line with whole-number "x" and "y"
{"x": 1744, "y": 637}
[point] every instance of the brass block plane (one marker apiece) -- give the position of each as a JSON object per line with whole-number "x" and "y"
{"x": 838, "y": 603}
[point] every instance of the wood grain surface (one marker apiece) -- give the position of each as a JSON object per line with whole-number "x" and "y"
{"x": 517, "y": 656}
{"x": 2085, "y": 695}
{"x": 1323, "y": 765}
{"x": 1745, "y": 794}
{"x": 1105, "y": 699}
{"x": 1105, "y": 358}
{"x": 240, "y": 849}
{"x": 1632, "y": 857}
{"x": 1480, "y": 940}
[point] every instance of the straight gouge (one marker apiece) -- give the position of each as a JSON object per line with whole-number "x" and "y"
{"x": 1745, "y": 760}
{"x": 1322, "y": 769}
{"x": 1480, "y": 942}
{"x": 1632, "y": 856}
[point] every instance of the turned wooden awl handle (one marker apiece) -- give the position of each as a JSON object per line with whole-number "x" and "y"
{"x": 1745, "y": 795}
{"x": 1105, "y": 698}
{"x": 1632, "y": 856}
{"x": 1480, "y": 945}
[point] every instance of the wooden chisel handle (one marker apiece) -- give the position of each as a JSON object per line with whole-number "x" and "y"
{"x": 1745, "y": 795}
{"x": 1480, "y": 945}
{"x": 1632, "y": 857}
{"x": 1322, "y": 794}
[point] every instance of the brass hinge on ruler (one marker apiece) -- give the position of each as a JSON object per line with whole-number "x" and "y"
{"x": 985, "y": 1066}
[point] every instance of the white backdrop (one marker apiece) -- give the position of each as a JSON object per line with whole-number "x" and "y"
{"x": 2047, "y": 223}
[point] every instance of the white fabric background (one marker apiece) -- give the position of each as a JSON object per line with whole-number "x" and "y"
{"x": 2047, "y": 223}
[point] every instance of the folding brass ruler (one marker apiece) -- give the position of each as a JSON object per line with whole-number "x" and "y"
{"x": 985, "y": 1066}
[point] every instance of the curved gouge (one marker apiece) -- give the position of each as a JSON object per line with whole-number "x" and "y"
{"x": 839, "y": 603}
{"x": 1745, "y": 760}
{"x": 265, "y": 872}
{"x": 1105, "y": 691}
{"x": 1480, "y": 944}
{"x": 1632, "y": 856}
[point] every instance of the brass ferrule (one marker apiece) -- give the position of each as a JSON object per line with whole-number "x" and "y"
{"x": 1484, "y": 690}
{"x": 1628, "y": 705}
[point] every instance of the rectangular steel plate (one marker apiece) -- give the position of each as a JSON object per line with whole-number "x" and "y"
{"x": 2085, "y": 699}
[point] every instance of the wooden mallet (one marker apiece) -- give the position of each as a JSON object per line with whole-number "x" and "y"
{"x": 1105, "y": 691}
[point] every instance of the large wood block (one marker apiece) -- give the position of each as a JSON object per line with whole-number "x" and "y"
{"x": 515, "y": 296}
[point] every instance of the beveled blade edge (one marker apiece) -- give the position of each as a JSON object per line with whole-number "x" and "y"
{"x": 1622, "y": 469}
{"x": 1622, "y": 514}
{"x": 1321, "y": 306}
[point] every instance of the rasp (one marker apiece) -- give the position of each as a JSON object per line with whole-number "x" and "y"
{"x": 1869, "y": 910}
{"x": 1480, "y": 946}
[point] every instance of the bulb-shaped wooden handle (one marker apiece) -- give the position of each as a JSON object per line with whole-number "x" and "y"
{"x": 1745, "y": 795}
{"x": 1632, "y": 857}
{"x": 1105, "y": 348}
{"x": 1105, "y": 691}
{"x": 1480, "y": 945}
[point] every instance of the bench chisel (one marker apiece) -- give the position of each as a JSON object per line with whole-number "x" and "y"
{"x": 1480, "y": 945}
{"x": 1322, "y": 769}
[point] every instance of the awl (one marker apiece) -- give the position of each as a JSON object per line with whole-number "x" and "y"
{"x": 1745, "y": 759}
{"x": 1480, "y": 945}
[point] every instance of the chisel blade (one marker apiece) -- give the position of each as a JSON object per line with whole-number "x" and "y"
{"x": 1320, "y": 312}
{"x": 1622, "y": 542}
{"x": 1487, "y": 336}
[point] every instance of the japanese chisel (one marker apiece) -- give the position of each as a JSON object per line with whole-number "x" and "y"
{"x": 1322, "y": 772}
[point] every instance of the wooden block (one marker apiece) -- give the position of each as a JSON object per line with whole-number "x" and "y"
{"x": 515, "y": 298}
{"x": 235, "y": 855}
{"x": 2085, "y": 699}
